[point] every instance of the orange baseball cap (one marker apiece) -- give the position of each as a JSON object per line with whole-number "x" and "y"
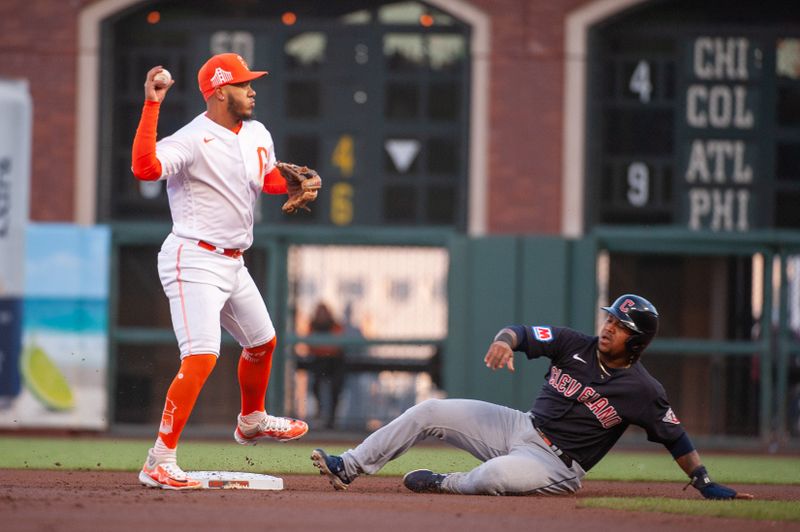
{"x": 224, "y": 69}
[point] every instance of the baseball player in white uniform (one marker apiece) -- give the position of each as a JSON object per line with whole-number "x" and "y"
{"x": 215, "y": 167}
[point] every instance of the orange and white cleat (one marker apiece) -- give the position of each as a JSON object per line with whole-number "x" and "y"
{"x": 272, "y": 427}
{"x": 165, "y": 475}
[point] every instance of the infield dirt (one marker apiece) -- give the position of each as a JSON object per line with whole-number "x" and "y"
{"x": 70, "y": 501}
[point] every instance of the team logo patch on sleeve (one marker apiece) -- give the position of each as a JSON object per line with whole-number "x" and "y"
{"x": 543, "y": 334}
{"x": 670, "y": 417}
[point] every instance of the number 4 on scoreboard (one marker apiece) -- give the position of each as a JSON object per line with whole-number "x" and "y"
{"x": 343, "y": 156}
{"x": 640, "y": 81}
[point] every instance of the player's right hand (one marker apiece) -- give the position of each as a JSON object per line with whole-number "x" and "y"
{"x": 499, "y": 355}
{"x": 153, "y": 92}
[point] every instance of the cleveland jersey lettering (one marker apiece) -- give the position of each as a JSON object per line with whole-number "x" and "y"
{"x": 568, "y": 386}
{"x": 585, "y": 409}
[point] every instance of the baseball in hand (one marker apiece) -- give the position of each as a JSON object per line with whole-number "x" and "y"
{"x": 162, "y": 79}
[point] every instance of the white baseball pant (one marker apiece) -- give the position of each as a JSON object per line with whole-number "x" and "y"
{"x": 206, "y": 290}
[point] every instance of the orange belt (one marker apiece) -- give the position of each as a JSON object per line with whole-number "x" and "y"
{"x": 553, "y": 447}
{"x": 232, "y": 253}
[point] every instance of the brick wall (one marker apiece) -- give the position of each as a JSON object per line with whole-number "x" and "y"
{"x": 526, "y": 101}
{"x": 38, "y": 42}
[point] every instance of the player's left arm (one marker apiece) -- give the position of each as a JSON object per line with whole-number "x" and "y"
{"x": 698, "y": 475}
{"x": 274, "y": 183}
{"x": 662, "y": 425}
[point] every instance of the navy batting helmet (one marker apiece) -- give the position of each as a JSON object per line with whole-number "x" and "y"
{"x": 640, "y": 317}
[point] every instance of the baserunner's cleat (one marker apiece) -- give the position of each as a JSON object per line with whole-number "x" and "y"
{"x": 331, "y": 466}
{"x": 424, "y": 481}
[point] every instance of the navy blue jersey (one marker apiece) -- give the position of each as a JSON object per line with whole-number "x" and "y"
{"x": 584, "y": 407}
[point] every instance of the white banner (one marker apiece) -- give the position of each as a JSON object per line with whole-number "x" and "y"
{"x": 15, "y": 166}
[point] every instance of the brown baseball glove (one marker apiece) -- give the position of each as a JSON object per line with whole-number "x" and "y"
{"x": 302, "y": 183}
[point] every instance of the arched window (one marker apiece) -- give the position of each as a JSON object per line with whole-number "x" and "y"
{"x": 374, "y": 95}
{"x": 693, "y": 118}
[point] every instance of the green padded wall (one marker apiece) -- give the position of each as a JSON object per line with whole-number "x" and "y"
{"x": 500, "y": 281}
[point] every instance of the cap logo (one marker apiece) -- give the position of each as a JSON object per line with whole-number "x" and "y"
{"x": 220, "y": 77}
{"x": 626, "y": 305}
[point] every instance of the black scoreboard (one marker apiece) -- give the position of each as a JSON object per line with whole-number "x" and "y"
{"x": 694, "y": 122}
{"x": 373, "y": 95}
{"x": 720, "y": 114}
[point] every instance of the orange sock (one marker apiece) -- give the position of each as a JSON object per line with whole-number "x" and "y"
{"x": 182, "y": 395}
{"x": 255, "y": 364}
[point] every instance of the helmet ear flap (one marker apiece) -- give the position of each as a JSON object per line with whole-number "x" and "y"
{"x": 635, "y": 345}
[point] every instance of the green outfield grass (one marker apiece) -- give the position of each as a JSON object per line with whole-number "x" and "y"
{"x": 271, "y": 457}
{"x": 742, "y": 469}
{"x": 758, "y": 510}
{"x": 292, "y": 458}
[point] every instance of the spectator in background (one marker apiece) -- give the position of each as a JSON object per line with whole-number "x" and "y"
{"x": 326, "y": 365}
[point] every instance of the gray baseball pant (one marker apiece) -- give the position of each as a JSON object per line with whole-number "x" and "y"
{"x": 515, "y": 459}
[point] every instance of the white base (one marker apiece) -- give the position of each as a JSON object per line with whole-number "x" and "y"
{"x": 233, "y": 480}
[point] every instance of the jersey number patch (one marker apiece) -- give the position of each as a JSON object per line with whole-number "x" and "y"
{"x": 543, "y": 334}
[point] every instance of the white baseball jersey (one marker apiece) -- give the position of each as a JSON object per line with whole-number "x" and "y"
{"x": 214, "y": 177}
